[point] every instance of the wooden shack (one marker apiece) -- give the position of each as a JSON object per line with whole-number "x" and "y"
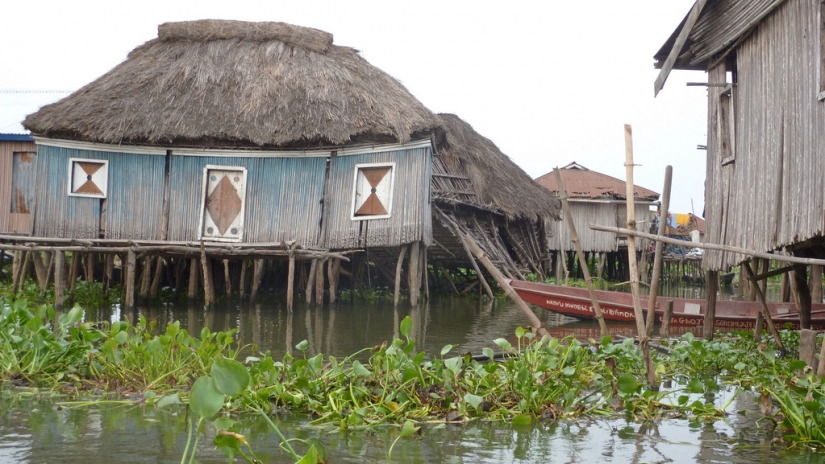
{"x": 256, "y": 135}
{"x": 765, "y": 71}
{"x": 595, "y": 198}
{"x": 17, "y": 161}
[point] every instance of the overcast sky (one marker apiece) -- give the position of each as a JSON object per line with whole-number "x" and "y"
{"x": 549, "y": 82}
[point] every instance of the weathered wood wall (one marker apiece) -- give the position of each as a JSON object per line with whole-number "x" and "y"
{"x": 584, "y": 213}
{"x": 772, "y": 194}
{"x": 13, "y": 222}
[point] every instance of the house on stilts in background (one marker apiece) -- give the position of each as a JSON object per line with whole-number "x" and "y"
{"x": 765, "y": 65}
{"x": 595, "y": 198}
{"x": 225, "y": 143}
{"x": 17, "y": 156}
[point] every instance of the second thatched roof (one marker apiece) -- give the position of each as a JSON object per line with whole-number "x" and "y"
{"x": 214, "y": 83}
{"x": 471, "y": 170}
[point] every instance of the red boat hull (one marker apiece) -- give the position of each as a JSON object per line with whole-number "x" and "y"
{"x": 618, "y": 306}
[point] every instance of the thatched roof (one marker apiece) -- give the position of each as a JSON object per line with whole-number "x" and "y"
{"x": 214, "y": 83}
{"x": 470, "y": 169}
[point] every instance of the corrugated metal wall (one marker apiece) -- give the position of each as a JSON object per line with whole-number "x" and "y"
{"x": 11, "y": 222}
{"x": 606, "y": 214}
{"x": 411, "y": 216}
{"x": 283, "y": 197}
{"x": 772, "y": 195}
{"x": 134, "y": 204}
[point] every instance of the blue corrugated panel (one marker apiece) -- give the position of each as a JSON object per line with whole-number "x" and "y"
{"x": 283, "y": 197}
{"x": 134, "y": 204}
{"x": 411, "y": 217}
{"x": 16, "y": 138}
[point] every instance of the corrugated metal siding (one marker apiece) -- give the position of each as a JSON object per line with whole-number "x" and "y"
{"x": 411, "y": 216}
{"x": 11, "y": 222}
{"x": 606, "y": 214}
{"x": 283, "y": 198}
{"x": 772, "y": 195}
{"x": 134, "y": 198}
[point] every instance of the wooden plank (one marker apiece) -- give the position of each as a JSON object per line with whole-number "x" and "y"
{"x": 775, "y": 272}
{"x": 677, "y": 46}
{"x": 657, "y": 254}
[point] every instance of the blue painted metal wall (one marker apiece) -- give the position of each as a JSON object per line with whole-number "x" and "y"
{"x": 411, "y": 218}
{"x": 134, "y": 204}
{"x": 283, "y": 197}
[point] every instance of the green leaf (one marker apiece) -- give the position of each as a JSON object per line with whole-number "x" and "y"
{"x": 311, "y": 457}
{"x": 224, "y": 423}
{"x": 408, "y": 429}
{"x": 797, "y": 365}
{"x": 770, "y": 354}
{"x": 409, "y": 374}
{"x": 406, "y": 324}
{"x": 473, "y": 400}
{"x": 121, "y": 337}
{"x": 569, "y": 371}
{"x": 446, "y": 349}
{"x": 695, "y": 386}
{"x": 503, "y": 344}
{"x": 628, "y": 383}
{"x": 74, "y": 316}
{"x": 683, "y": 399}
{"x": 489, "y": 353}
{"x": 522, "y": 419}
{"x": 229, "y": 443}
{"x": 205, "y": 400}
{"x": 171, "y": 398}
{"x": 231, "y": 377}
{"x": 360, "y": 369}
{"x": 813, "y": 406}
{"x": 519, "y": 332}
{"x": 302, "y": 346}
{"x": 319, "y": 448}
{"x": 454, "y": 364}
{"x": 739, "y": 366}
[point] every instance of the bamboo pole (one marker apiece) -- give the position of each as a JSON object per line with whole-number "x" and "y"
{"x": 641, "y": 328}
{"x": 398, "y": 267}
{"x": 59, "y": 279}
{"x": 208, "y": 284}
{"x": 664, "y": 330}
{"x": 242, "y": 283}
{"x": 657, "y": 256}
{"x": 227, "y": 278}
{"x": 333, "y": 274}
{"x": 765, "y": 312}
{"x": 319, "y": 282}
{"x": 130, "y": 278}
{"x": 574, "y": 236}
{"x": 153, "y": 289}
{"x": 426, "y": 272}
{"x": 508, "y": 290}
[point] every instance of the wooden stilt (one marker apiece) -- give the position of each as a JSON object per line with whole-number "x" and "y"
{"x": 398, "y": 267}
{"x": 667, "y": 315}
{"x": 759, "y": 326}
{"x": 807, "y": 348}
{"x": 15, "y": 267}
{"x": 319, "y": 282}
{"x": 155, "y": 287}
{"x": 657, "y": 254}
{"x": 816, "y": 284}
{"x": 710, "y": 312}
{"x": 19, "y": 274}
{"x": 413, "y": 273}
{"x": 227, "y": 278}
{"x": 803, "y": 295}
{"x": 310, "y": 289}
{"x": 194, "y": 270}
{"x": 40, "y": 270}
{"x": 208, "y": 283}
{"x": 131, "y": 262}
{"x": 765, "y": 312}
{"x": 786, "y": 288}
{"x": 74, "y": 274}
{"x": 449, "y": 278}
{"x": 59, "y": 279}
{"x": 426, "y": 275}
{"x": 242, "y": 283}
{"x": 145, "y": 279}
{"x": 89, "y": 267}
{"x": 820, "y": 371}
{"x": 179, "y": 267}
{"x": 257, "y": 277}
{"x": 108, "y": 271}
{"x": 334, "y": 271}
{"x": 290, "y": 283}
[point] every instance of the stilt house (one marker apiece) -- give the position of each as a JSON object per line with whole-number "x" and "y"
{"x": 265, "y": 133}
{"x": 17, "y": 161}
{"x": 765, "y": 67}
{"x": 599, "y": 199}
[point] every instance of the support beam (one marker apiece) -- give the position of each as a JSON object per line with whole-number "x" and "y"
{"x": 319, "y": 282}
{"x": 290, "y": 285}
{"x": 59, "y": 279}
{"x": 712, "y": 286}
{"x": 74, "y": 274}
{"x": 398, "y": 267}
{"x": 131, "y": 262}
{"x": 208, "y": 283}
{"x": 765, "y": 312}
{"x": 194, "y": 270}
{"x": 803, "y": 295}
{"x": 677, "y": 46}
{"x": 242, "y": 283}
{"x": 413, "y": 273}
{"x": 257, "y": 277}
{"x": 816, "y": 284}
{"x": 657, "y": 254}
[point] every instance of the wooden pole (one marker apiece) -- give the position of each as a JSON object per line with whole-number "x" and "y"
{"x": 40, "y": 271}
{"x": 242, "y": 283}
{"x": 765, "y": 312}
{"x": 131, "y": 262}
{"x": 664, "y": 330}
{"x": 758, "y": 328}
{"x": 657, "y": 256}
{"x": 641, "y": 328}
{"x": 257, "y": 276}
{"x": 108, "y": 270}
{"x": 816, "y": 284}
{"x": 311, "y": 281}
{"x": 426, "y": 275}
{"x": 59, "y": 279}
{"x": 413, "y": 273}
{"x": 145, "y": 278}
{"x": 290, "y": 283}
{"x": 803, "y": 295}
{"x": 398, "y": 267}
{"x": 89, "y": 267}
{"x": 208, "y": 283}
{"x": 227, "y": 278}
{"x": 807, "y": 348}
{"x": 319, "y": 281}
{"x": 74, "y": 273}
{"x": 710, "y": 312}
{"x": 333, "y": 274}
{"x": 508, "y": 290}
{"x": 449, "y": 278}
{"x": 820, "y": 371}
{"x": 153, "y": 289}
{"x": 574, "y": 236}
{"x": 194, "y": 270}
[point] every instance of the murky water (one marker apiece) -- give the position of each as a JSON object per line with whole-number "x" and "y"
{"x": 39, "y": 429}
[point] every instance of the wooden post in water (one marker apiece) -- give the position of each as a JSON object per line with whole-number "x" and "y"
{"x": 712, "y": 286}
{"x": 807, "y": 348}
{"x": 257, "y": 276}
{"x": 333, "y": 273}
{"x": 131, "y": 262}
{"x": 194, "y": 270}
{"x": 641, "y": 328}
{"x": 227, "y": 278}
{"x": 145, "y": 278}
{"x": 765, "y": 312}
{"x": 290, "y": 282}
{"x": 657, "y": 254}
{"x": 664, "y": 330}
{"x": 426, "y": 275}
{"x": 413, "y": 274}
{"x": 398, "y": 267}
{"x": 803, "y": 295}
{"x": 153, "y": 289}
{"x": 310, "y": 288}
{"x": 208, "y": 283}
{"x": 574, "y": 236}
{"x": 502, "y": 282}
{"x": 108, "y": 270}
{"x": 758, "y": 327}
{"x": 816, "y": 283}
{"x": 59, "y": 279}
{"x": 74, "y": 273}
{"x": 319, "y": 282}
{"x": 242, "y": 283}
{"x": 89, "y": 267}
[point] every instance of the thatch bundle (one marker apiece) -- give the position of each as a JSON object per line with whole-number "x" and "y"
{"x": 235, "y": 84}
{"x": 498, "y": 183}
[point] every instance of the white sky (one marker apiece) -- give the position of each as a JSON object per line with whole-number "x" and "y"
{"x": 549, "y": 82}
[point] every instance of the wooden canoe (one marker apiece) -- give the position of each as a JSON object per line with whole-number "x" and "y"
{"x": 687, "y": 312}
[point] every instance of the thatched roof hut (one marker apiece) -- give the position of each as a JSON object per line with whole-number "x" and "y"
{"x": 234, "y": 84}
